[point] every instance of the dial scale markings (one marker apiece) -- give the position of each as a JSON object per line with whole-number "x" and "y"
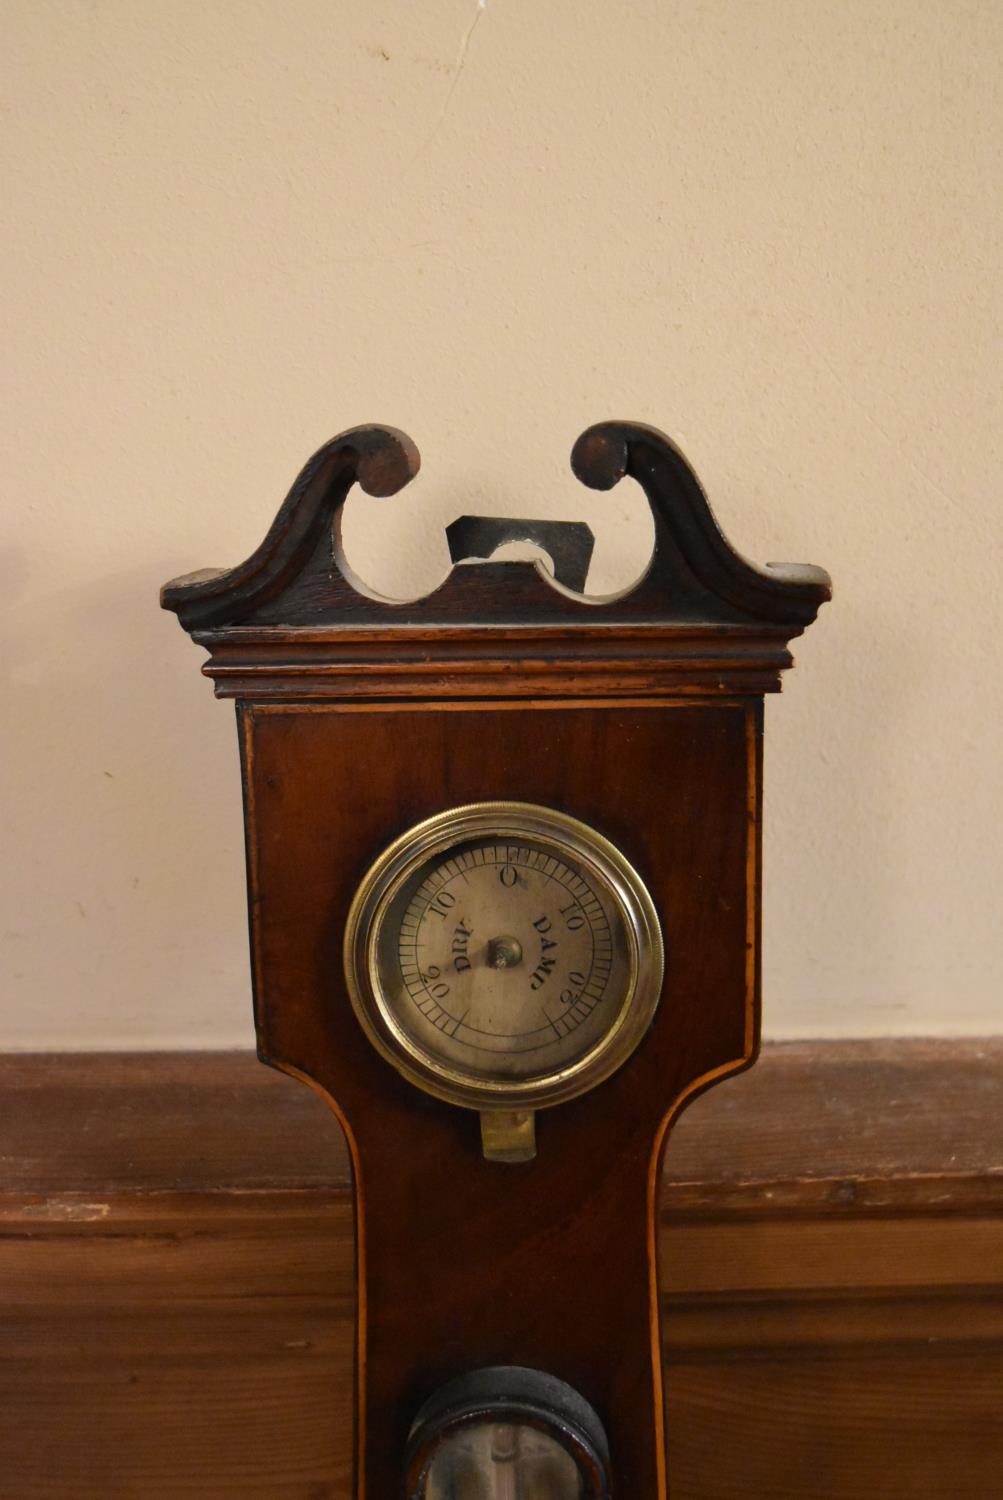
{"x": 585, "y": 926}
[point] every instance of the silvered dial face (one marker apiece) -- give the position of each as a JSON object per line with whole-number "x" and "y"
{"x": 503, "y": 952}
{"x": 507, "y": 956}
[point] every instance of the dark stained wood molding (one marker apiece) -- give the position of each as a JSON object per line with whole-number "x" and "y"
{"x": 825, "y": 1129}
{"x": 702, "y": 619}
{"x": 176, "y": 1279}
{"x": 479, "y": 664}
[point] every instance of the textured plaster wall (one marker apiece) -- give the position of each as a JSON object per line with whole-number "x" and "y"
{"x": 234, "y": 227}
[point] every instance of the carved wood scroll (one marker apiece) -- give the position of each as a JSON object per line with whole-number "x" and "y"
{"x": 292, "y": 621}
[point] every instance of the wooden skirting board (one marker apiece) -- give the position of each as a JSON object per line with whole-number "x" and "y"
{"x": 176, "y": 1264}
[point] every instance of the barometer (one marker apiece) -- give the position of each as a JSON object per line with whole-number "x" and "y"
{"x": 503, "y": 864}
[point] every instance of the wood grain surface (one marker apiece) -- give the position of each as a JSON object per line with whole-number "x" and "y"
{"x": 176, "y": 1274}
{"x": 467, "y": 1263}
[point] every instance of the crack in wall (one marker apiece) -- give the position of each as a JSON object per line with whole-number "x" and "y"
{"x": 458, "y": 66}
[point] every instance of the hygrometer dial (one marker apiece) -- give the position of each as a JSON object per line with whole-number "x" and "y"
{"x": 504, "y": 956}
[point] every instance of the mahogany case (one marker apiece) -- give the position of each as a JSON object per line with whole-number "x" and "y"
{"x": 640, "y": 715}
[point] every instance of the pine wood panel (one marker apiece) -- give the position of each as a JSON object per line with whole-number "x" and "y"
{"x": 840, "y": 1126}
{"x": 176, "y": 1280}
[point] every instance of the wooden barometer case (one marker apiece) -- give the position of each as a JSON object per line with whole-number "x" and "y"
{"x": 503, "y": 862}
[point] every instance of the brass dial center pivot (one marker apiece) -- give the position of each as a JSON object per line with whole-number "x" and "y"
{"x": 504, "y": 952}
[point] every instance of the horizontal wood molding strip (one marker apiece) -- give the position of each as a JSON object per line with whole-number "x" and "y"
{"x": 836, "y": 1128}
{"x": 529, "y": 661}
{"x": 176, "y": 1279}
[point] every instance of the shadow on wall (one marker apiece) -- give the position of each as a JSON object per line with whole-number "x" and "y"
{"x": 125, "y": 919}
{"x": 124, "y": 916}
{"x": 831, "y": 948}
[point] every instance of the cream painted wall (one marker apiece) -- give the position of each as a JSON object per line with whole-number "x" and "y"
{"x": 234, "y": 227}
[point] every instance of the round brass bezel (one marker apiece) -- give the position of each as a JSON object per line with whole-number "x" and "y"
{"x": 429, "y": 839}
